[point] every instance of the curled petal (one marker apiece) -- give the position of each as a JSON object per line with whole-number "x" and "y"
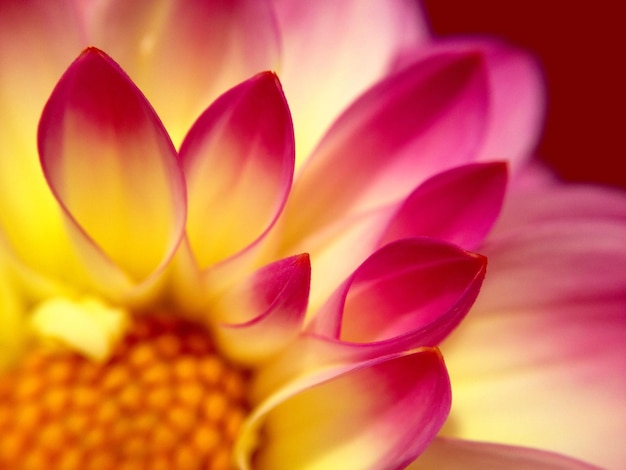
{"x": 546, "y": 335}
{"x": 343, "y": 57}
{"x": 459, "y": 206}
{"x": 111, "y": 165}
{"x": 184, "y": 53}
{"x": 416, "y": 290}
{"x": 238, "y": 161}
{"x": 264, "y": 313}
{"x": 451, "y": 454}
{"x": 376, "y": 414}
{"x": 420, "y": 121}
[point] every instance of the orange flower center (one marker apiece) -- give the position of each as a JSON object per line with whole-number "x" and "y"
{"x": 164, "y": 399}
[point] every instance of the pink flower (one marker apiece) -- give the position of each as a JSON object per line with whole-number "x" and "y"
{"x": 208, "y": 306}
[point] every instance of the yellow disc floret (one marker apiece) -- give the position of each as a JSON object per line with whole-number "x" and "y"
{"x": 164, "y": 399}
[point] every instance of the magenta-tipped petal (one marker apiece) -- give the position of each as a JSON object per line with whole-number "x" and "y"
{"x": 459, "y": 206}
{"x": 516, "y": 102}
{"x": 412, "y": 292}
{"x": 238, "y": 160}
{"x": 265, "y": 312}
{"x": 348, "y": 416}
{"x": 112, "y": 166}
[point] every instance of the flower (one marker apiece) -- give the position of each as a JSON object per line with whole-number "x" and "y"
{"x": 199, "y": 300}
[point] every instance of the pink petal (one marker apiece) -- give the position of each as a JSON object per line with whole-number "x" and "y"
{"x": 544, "y": 344}
{"x": 330, "y": 55}
{"x": 377, "y": 414}
{"x": 516, "y": 102}
{"x": 413, "y": 291}
{"x": 111, "y": 165}
{"x": 38, "y": 39}
{"x": 459, "y": 206}
{"x": 238, "y": 161}
{"x": 425, "y": 119}
{"x": 451, "y": 454}
{"x": 264, "y": 312}
{"x": 183, "y": 54}
{"x": 409, "y": 294}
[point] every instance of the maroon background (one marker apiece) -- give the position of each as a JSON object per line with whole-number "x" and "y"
{"x": 582, "y": 47}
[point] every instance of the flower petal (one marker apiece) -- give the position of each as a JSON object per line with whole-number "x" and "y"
{"x": 38, "y": 39}
{"x": 459, "y": 206}
{"x": 516, "y": 103}
{"x": 425, "y": 119}
{"x": 452, "y": 454}
{"x": 414, "y": 289}
{"x": 544, "y": 343}
{"x": 184, "y": 53}
{"x": 238, "y": 161}
{"x": 377, "y": 414}
{"x": 341, "y": 55}
{"x": 12, "y": 320}
{"x": 265, "y": 312}
{"x": 111, "y": 165}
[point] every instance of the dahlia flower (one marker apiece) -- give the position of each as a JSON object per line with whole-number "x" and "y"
{"x": 241, "y": 234}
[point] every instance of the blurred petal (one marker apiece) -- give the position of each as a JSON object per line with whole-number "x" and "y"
{"x": 238, "y": 162}
{"x": 12, "y": 324}
{"x": 330, "y": 55}
{"x": 38, "y": 39}
{"x": 544, "y": 343}
{"x": 111, "y": 165}
{"x": 184, "y": 53}
{"x": 459, "y": 206}
{"x": 265, "y": 312}
{"x": 425, "y": 119}
{"x": 451, "y": 454}
{"x": 347, "y": 417}
{"x": 516, "y": 103}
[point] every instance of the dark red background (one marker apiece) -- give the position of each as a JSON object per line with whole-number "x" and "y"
{"x": 582, "y": 47}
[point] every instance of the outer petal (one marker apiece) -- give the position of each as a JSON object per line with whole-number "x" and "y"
{"x": 516, "y": 97}
{"x": 544, "y": 346}
{"x": 111, "y": 165}
{"x": 451, "y": 454}
{"x": 418, "y": 122}
{"x": 265, "y": 312}
{"x": 459, "y": 206}
{"x": 37, "y": 41}
{"x": 414, "y": 286}
{"x": 238, "y": 161}
{"x": 332, "y": 54}
{"x": 378, "y": 414}
{"x": 184, "y": 53}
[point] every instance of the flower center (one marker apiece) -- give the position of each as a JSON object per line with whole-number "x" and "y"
{"x": 164, "y": 399}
